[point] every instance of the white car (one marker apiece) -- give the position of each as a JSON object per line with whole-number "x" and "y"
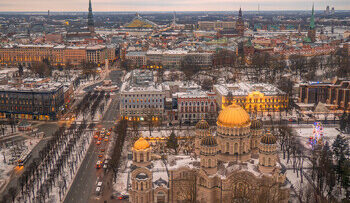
{"x": 98, "y": 191}
{"x": 99, "y": 184}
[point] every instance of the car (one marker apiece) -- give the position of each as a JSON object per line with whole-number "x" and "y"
{"x": 98, "y": 142}
{"x": 98, "y": 164}
{"x": 96, "y": 136}
{"x": 99, "y": 138}
{"x": 106, "y": 161}
{"x": 102, "y": 149}
{"x": 100, "y": 155}
{"x": 104, "y": 166}
{"x": 291, "y": 120}
{"x": 106, "y": 139}
{"x": 120, "y": 196}
{"x": 98, "y": 191}
{"x": 99, "y": 184}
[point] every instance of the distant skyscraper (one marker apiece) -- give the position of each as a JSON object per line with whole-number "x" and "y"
{"x": 174, "y": 20}
{"x": 240, "y": 23}
{"x": 311, "y": 34}
{"x": 91, "y": 19}
{"x": 332, "y": 10}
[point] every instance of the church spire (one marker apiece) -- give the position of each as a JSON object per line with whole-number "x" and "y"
{"x": 90, "y": 19}
{"x": 240, "y": 12}
{"x": 312, "y": 20}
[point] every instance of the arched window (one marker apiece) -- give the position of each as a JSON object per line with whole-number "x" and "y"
{"x": 263, "y": 161}
{"x": 236, "y": 148}
{"x": 269, "y": 162}
{"x": 160, "y": 197}
{"x": 141, "y": 157}
{"x": 227, "y": 147}
{"x": 209, "y": 163}
{"x": 141, "y": 186}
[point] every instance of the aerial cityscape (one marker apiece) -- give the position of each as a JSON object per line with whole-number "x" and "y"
{"x": 186, "y": 101}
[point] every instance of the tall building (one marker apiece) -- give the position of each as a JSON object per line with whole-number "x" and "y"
{"x": 327, "y": 11}
{"x": 91, "y": 26}
{"x": 240, "y": 23}
{"x": 311, "y": 34}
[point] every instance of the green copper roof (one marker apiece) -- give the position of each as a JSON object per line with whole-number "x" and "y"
{"x": 312, "y": 20}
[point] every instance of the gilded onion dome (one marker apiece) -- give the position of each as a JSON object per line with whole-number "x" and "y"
{"x": 141, "y": 144}
{"x": 268, "y": 138}
{"x": 209, "y": 141}
{"x": 233, "y": 116}
{"x": 203, "y": 125}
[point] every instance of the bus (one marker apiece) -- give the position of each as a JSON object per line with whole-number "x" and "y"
{"x": 24, "y": 158}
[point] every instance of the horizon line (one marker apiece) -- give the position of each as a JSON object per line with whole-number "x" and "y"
{"x": 45, "y": 11}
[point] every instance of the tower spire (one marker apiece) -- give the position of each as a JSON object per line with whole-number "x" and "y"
{"x": 312, "y": 20}
{"x": 91, "y": 19}
{"x": 174, "y": 20}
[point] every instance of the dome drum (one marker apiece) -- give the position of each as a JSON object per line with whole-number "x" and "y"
{"x": 256, "y": 124}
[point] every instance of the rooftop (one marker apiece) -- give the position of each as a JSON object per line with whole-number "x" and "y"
{"x": 243, "y": 89}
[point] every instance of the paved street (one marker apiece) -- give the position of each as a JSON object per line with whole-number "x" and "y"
{"x": 85, "y": 179}
{"x": 83, "y": 188}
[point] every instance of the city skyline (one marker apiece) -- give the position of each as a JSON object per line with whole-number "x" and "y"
{"x": 157, "y": 5}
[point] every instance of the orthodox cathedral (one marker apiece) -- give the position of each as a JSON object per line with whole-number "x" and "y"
{"x": 236, "y": 164}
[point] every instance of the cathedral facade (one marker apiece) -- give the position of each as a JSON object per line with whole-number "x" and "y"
{"x": 237, "y": 164}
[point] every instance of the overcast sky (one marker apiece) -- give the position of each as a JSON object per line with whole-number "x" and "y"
{"x": 169, "y": 5}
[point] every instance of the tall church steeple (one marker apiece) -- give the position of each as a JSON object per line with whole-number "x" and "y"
{"x": 240, "y": 23}
{"x": 91, "y": 19}
{"x": 311, "y": 34}
{"x": 312, "y": 20}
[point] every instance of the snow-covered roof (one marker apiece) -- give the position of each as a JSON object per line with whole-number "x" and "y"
{"x": 243, "y": 89}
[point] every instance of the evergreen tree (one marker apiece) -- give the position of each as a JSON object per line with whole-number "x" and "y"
{"x": 20, "y": 70}
{"x": 172, "y": 142}
{"x": 341, "y": 153}
{"x": 343, "y": 121}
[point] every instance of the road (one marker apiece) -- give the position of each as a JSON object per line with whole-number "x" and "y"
{"x": 83, "y": 187}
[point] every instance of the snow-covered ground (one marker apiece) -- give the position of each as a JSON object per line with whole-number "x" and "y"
{"x": 329, "y": 134}
{"x": 123, "y": 176}
{"x": 10, "y": 155}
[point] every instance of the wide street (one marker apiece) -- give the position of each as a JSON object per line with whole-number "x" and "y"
{"x": 84, "y": 185}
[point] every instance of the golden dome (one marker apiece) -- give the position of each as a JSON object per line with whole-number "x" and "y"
{"x": 268, "y": 138}
{"x": 141, "y": 144}
{"x": 233, "y": 116}
{"x": 202, "y": 124}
